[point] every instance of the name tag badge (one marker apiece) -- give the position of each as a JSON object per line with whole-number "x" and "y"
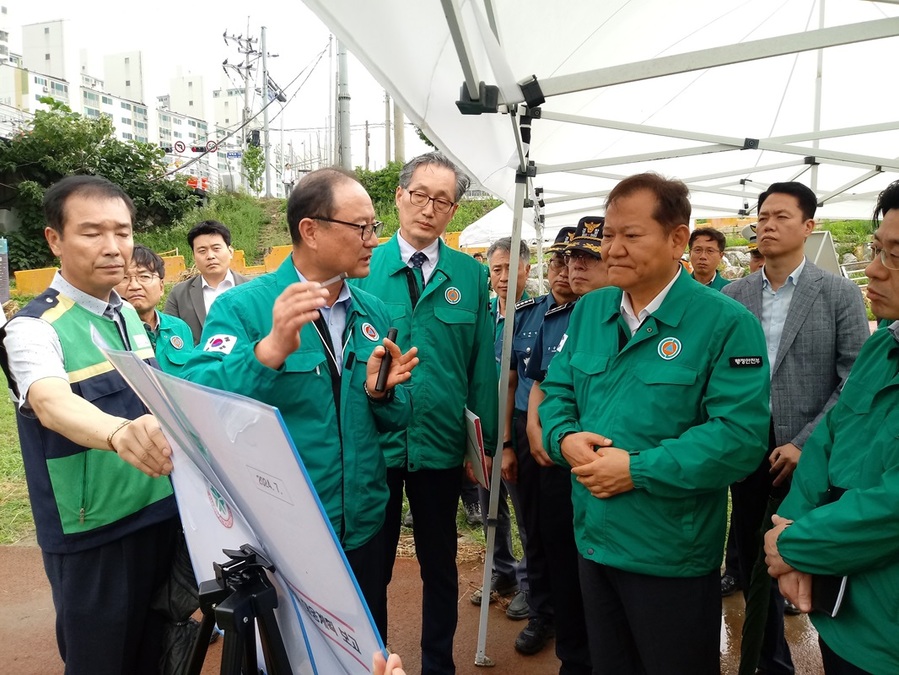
{"x": 745, "y": 361}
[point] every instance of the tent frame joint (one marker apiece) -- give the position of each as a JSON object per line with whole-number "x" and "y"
{"x": 486, "y": 102}
{"x": 532, "y": 92}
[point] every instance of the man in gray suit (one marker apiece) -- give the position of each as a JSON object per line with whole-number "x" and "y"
{"x": 190, "y": 300}
{"x": 815, "y": 325}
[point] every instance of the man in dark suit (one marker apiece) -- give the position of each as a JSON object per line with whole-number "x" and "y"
{"x": 815, "y": 325}
{"x": 190, "y": 300}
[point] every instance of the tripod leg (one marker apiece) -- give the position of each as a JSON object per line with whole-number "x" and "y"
{"x": 273, "y": 648}
{"x": 210, "y": 595}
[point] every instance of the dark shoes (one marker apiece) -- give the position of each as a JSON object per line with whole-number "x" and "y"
{"x": 473, "y": 514}
{"x": 534, "y": 637}
{"x": 518, "y": 609}
{"x": 499, "y": 586}
{"x": 729, "y": 585}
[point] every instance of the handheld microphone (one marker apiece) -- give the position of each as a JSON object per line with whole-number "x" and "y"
{"x": 381, "y": 384}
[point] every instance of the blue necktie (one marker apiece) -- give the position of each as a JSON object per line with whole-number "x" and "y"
{"x": 417, "y": 260}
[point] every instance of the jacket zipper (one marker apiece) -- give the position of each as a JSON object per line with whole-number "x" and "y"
{"x": 81, "y": 511}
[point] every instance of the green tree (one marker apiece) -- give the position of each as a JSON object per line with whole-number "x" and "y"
{"x": 58, "y": 143}
{"x": 381, "y": 184}
{"x": 254, "y": 167}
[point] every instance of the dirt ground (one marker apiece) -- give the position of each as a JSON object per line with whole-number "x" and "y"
{"x": 28, "y": 645}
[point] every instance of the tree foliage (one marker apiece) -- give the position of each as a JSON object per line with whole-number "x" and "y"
{"x": 254, "y": 167}
{"x": 381, "y": 184}
{"x": 58, "y": 143}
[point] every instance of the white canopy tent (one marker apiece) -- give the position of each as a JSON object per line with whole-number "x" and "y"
{"x": 495, "y": 225}
{"x": 727, "y": 95}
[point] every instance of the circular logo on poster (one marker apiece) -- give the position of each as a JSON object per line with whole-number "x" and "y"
{"x": 220, "y": 507}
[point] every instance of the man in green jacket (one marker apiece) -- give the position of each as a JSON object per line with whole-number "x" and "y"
{"x": 299, "y": 339}
{"x": 658, "y": 400}
{"x": 142, "y": 286}
{"x": 438, "y": 300}
{"x": 706, "y": 248}
{"x": 840, "y": 516}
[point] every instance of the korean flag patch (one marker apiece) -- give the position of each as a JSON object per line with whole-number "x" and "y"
{"x": 220, "y": 343}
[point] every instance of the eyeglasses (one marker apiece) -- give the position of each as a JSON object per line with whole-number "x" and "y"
{"x": 421, "y": 199}
{"x": 143, "y": 278}
{"x": 887, "y": 259}
{"x": 584, "y": 259}
{"x": 366, "y": 230}
{"x": 707, "y": 251}
{"x": 557, "y": 262}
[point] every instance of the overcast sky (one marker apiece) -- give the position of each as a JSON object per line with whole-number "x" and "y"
{"x": 188, "y": 36}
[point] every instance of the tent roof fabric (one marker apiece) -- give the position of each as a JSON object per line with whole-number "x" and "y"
{"x": 719, "y": 93}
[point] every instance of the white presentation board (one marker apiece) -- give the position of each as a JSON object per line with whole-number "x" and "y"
{"x": 239, "y": 480}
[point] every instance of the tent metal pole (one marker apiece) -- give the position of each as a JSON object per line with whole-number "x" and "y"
{"x": 819, "y": 82}
{"x": 848, "y": 186}
{"x": 481, "y": 658}
{"x": 720, "y": 56}
{"x": 454, "y": 23}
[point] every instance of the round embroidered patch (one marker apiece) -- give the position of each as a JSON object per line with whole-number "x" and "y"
{"x": 669, "y": 348}
{"x": 369, "y": 331}
{"x": 176, "y": 342}
{"x": 452, "y": 295}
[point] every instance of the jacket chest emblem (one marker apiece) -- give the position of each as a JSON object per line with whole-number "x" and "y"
{"x": 669, "y": 348}
{"x": 453, "y": 295}
{"x": 370, "y": 332}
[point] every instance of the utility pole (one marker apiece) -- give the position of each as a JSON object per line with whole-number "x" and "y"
{"x": 245, "y": 47}
{"x": 386, "y": 128}
{"x": 343, "y": 109}
{"x": 367, "y": 144}
{"x": 265, "y": 102}
{"x": 399, "y": 141}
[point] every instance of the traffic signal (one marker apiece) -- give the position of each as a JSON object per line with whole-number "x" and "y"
{"x": 197, "y": 148}
{"x": 254, "y": 137}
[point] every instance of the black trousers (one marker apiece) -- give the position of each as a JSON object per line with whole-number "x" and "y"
{"x": 367, "y": 563}
{"x": 556, "y": 527}
{"x": 764, "y": 644}
{"x": 433, "y": 497}
{"x": 835, "y": 664}
{"x": 645, "y": 625}
{"x": 104, "y": 624}
{"x": 528, "y": 515}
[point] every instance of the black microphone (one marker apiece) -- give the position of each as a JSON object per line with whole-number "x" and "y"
{"x": 381, "y": 384}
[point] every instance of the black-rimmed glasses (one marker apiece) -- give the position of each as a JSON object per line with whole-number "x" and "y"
{"x": 421, "y": 200}
{"x": 367, "y": 229}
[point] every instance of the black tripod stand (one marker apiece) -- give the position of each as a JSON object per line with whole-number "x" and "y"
{"x": 238, "y": 599}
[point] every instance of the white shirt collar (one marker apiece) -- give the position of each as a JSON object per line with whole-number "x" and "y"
{"x": 406, "y": 250}
{"x": 227, "y": 282}
{"x": 91, "y": 303}
{"x": 627, "y": 309}
{"x": 792, "y": 279}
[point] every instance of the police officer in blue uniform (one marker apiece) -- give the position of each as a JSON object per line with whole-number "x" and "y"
{"x": 577, "y": 253}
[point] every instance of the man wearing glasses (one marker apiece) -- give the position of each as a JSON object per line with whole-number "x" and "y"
{"x": 301, "y": 340}
{"x": 706, "y": 251}
{"x": 142, "y": 286}
{"x": 840, "y": 517}
{"x": 438, "y": 301}
{"x": 814, "y": 324}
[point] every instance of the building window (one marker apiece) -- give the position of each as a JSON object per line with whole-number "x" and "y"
{"x": 4, "y": 36}
{"x": 127, "y": 136}
{"x": 190, "y": 104}
{"x": 107, "y": 100}
{"x": 91, "y": 112}
{"x": 46, "y": 57}
{"x": 126, "y": 120}
{"x": 46, "y": 30}
{"x": 126, "y": 106}
{"x": 127, "y": 60}
{"x": 177, "y": 134}
{"x": 127, "y": 83}
{"x": 177, "y": 120}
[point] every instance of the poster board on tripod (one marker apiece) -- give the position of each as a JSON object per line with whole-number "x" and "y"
{"x": 239, "y": 480}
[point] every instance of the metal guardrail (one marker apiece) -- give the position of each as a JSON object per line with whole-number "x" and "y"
{"x": 856, "y": 272}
